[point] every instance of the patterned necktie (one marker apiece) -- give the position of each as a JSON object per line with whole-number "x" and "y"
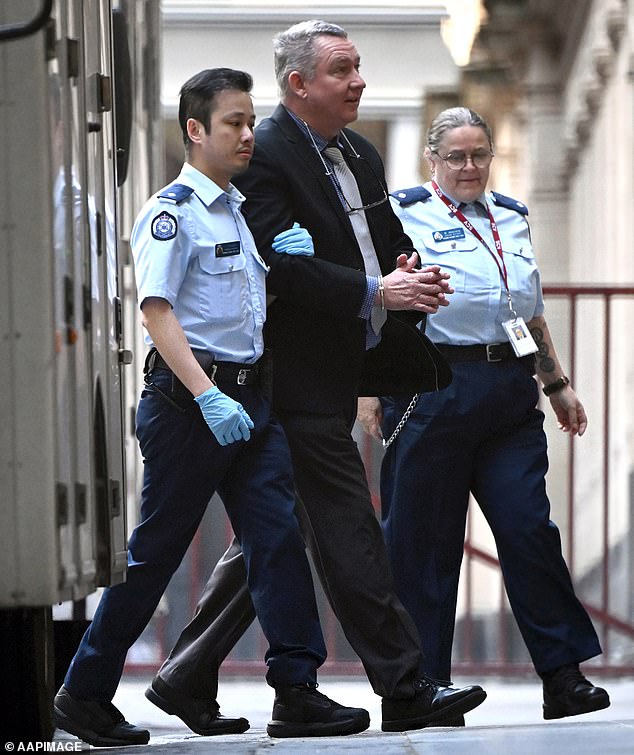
{"x": 349, "y": 194}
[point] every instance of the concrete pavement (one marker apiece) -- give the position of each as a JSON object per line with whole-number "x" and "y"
{"x": 509, "y": 722}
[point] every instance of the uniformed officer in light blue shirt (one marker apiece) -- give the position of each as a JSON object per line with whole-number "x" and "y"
{"x": 484, "y": 433}
{"x": 480, "y": 304}
{"x": 204, "y": 424}
{"x": 193, "y": 249}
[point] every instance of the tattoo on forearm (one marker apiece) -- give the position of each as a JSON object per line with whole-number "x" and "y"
{"x": 545, "y": 363}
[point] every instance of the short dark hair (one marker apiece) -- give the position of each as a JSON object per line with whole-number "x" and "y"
{"x": 198, "y": 93}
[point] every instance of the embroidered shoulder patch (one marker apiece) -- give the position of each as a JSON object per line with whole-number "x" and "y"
{"x": 164, "y": 226}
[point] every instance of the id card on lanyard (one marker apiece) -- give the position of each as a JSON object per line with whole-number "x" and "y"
{"x": 516, "y": 329}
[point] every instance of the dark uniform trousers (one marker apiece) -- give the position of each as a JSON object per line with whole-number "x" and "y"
{"x": 184, "y": 466}
{"x": 346, "y": 544}
{"x": 483, "y": 434}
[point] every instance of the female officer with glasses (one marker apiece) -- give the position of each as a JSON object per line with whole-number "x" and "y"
{"x": 483, "y": 434}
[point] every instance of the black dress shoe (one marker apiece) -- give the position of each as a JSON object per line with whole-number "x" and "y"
{"x": 433, "y": 704}
{"x": 567, "y": 692}
{"x": 300, "y": 711}
{"x": 98, "y": 723}
{"x": 202, "y": 716}
{"x": 456, "y": 721}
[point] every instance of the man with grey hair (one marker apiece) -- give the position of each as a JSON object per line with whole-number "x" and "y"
{"x": 347, "y": 266}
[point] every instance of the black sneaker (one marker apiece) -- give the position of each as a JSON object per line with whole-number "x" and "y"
{"x": 300, "y": 711}
{"x": 98, "y": 723}
{"x": 567, "y": 692}
{"x": 434, "y": 703}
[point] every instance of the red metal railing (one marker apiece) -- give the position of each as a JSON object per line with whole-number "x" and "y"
{"x": 489, "y": 642}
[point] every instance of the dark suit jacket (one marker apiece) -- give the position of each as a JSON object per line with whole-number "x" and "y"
{"x": 317, "y": 338}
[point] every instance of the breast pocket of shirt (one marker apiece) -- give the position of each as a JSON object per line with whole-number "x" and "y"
{"x": 522, "y": 269}
{"x": 453, "y": 257}
{"x": 222, "y": 287}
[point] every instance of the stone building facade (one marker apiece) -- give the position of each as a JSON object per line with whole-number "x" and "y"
{"x": 556, "y": 82}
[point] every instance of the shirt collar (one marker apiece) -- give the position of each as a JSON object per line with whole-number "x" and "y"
{"x": 207, "y": 190}
{"x": 478, "y": 206}
{"x": 320, "y": 141}
{"x": 482, "y": 200}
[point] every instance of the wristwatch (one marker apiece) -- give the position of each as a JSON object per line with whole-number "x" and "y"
{"x": 558, "y": 385}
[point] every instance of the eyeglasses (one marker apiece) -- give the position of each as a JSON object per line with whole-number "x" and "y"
{"x": 458, "y": 160}
{"x": 370, "y": 205}
{"x": 362, "y": 161}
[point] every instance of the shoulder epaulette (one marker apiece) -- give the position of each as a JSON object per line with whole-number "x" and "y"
{"x": 509, "y": 203}
{"x": 176, "y": 192}
{"x": 409, "y": 196}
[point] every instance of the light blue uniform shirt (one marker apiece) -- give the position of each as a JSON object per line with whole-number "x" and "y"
{"x": 480, "y": 303}
{"x": 200, "y": 256}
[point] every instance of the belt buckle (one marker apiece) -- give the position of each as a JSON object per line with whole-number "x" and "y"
{"x": 242, "y": 376}
{"x": 489, "y": 352}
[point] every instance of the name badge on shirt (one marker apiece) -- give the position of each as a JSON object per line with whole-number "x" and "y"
{"x": 449, "y": 235}
{"x": 519, "y": 336}
{"x": 228, "y": 249}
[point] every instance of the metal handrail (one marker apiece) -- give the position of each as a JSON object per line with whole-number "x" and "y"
{"x": 602, "y": 612}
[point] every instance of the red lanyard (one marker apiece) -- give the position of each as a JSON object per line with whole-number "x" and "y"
{"x": 494, "y": 230}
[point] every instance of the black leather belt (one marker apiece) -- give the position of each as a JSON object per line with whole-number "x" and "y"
{"x": 481, "y": 352}
{"x": 227, "y": 372}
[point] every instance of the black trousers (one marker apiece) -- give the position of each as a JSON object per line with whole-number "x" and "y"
{"x": 345, "y": 541}
{"x": 183, "y": 466}
{"x": 502, "y": 459}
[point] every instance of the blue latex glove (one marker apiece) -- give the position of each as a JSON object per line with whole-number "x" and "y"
{"x": 296, "y": 240}
{"x": 226, "y": 418}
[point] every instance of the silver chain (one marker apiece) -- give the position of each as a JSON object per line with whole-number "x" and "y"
{"x": 412, "y": 405}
